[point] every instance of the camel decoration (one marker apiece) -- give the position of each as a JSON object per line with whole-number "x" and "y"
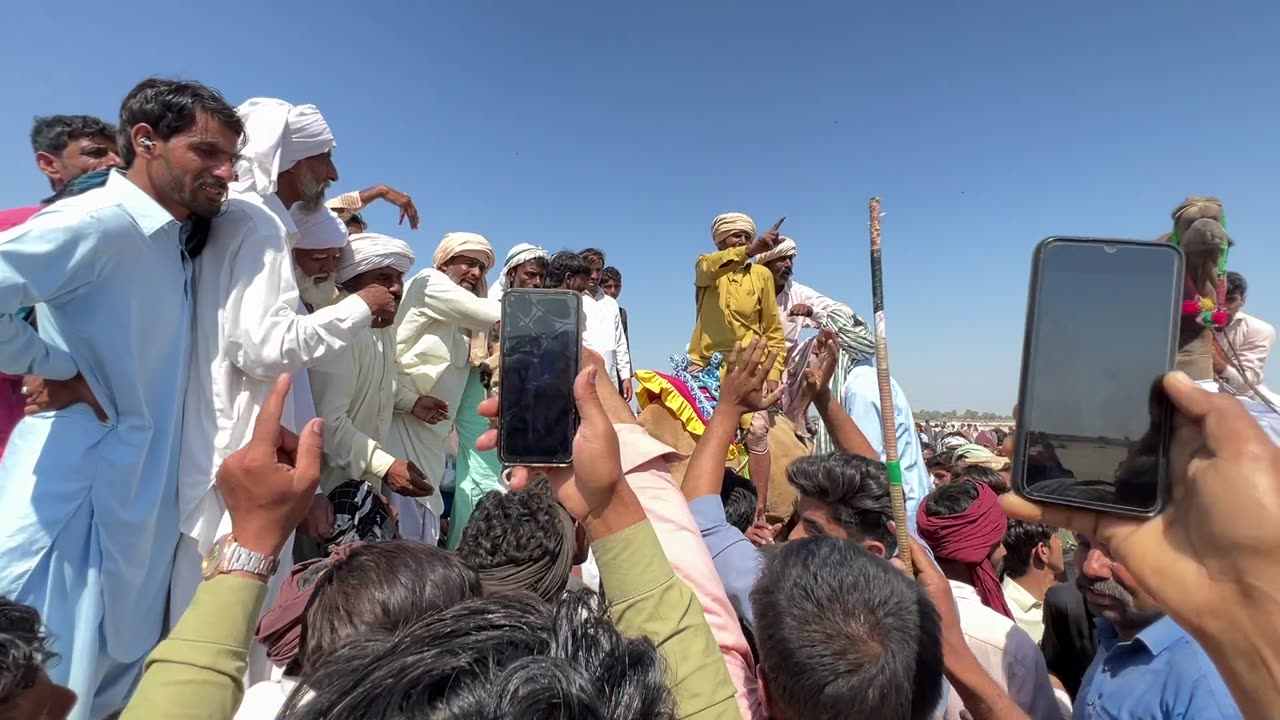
{"x": 1199, "y": 229}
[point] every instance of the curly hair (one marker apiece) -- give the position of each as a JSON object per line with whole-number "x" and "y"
{"x": 511, "y": 656}
{"x": 854, "y": 488}
{"x": 24, "y": 648}
{"x": 514, "y": 528}
{"x": 563, "y": 265}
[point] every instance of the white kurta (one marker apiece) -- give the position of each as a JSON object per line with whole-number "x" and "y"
{"x": 434, "y": 353}
{"x": 248, "y": 332}
{"x": 88, "y": 509}
{"x": 357, "y": 391}
{"x": 603, "y": 333}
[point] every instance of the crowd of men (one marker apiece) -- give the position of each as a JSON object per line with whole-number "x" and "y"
{"x": 249, "y": 472}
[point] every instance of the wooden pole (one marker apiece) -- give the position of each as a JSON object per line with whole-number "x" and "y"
{"x": 893, "y": 469}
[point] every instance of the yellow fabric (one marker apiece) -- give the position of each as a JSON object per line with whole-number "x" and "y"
{"x": 729, "y": 223}
{"x": 736, "y": 303}
{"x": 652, "y": 388}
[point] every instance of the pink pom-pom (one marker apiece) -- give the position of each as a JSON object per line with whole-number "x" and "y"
{"x": 1220, "y": 318}
{"x": 1190, "y": 307}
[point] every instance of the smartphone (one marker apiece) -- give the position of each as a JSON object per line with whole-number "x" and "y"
{"x": 1093, "y": 424}
{"x": 541, "y": 338}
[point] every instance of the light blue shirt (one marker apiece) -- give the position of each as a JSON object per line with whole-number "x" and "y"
{"x": 88, "y": 509}
{"x": 737, "y": 561}
{"x": 862, "y": 402}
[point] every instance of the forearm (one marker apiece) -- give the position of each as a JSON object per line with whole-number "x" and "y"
{"x": 24, "y": 352}
{"x": 712, "y": 266}
{"x": 285, "y": 341}
{"x": 845, "y": 434}
{"x": 197, "y": 672}
{"x": 705, "y": 472}
{"x": 1246, "y": 655}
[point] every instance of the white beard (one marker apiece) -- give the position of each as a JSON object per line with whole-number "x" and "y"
{"x": 315, "y": 293}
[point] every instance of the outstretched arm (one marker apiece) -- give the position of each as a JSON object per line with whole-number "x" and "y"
{"x": 713, "y": 266}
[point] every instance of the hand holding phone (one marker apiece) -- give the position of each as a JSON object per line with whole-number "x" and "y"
{"x": 1093, "y": 425}
{"x": 541, "y": 343}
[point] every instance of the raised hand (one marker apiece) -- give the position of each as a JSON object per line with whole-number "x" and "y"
{"x": 406, "y": 479}
{"x": 744, "y": 387}
{"x": 822, "y": 364}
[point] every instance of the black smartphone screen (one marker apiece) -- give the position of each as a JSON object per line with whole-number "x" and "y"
{"x": 541, "y": 345}
{"x": 1093, "y": 423}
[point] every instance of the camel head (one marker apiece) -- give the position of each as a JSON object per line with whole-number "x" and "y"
{"x": 1199, "y": 229}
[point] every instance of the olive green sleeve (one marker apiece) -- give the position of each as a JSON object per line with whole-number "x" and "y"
{"x": 647, "y": 600}
{"x": 198, "y": 671}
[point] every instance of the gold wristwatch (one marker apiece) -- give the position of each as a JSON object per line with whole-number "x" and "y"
{"x": 227, "y": 556}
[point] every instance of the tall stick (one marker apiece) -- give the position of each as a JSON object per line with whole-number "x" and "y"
{"x": 892, "y": 467}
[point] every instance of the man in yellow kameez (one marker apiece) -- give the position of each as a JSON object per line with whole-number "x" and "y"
{"x": 737, "y": 303}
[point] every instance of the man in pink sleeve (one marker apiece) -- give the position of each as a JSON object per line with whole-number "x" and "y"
{"x": 646, "y": 463}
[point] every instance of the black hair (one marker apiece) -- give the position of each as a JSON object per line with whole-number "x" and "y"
{"x": 52, "y": 133}
{"x": 950, "y": 499}
{"x": 511, "y": 656}
{"x": 610, "y": 273}
{"x": 1236, "y": 285}
{"x": 24, "y": 648}
{"x": 986, "y": 476}
{"x": 562, "y": 265}
{"x": 591, "y": 253}
{"x": 542, "y": 261}
{"x": 1020, "y": 541}
{"x": 514, "y": 528}
{"x": 377, "y": 589}
{"x": 739, "y": 497}
{"x": 854, "y": 488}
{"x": 171, "y": 107}
{"x": 843, "y": 633}
{"x": 358, "y": 219}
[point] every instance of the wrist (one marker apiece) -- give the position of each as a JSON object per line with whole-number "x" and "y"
{"x": 620, "y": 512}
{"x": 268, "y": 543}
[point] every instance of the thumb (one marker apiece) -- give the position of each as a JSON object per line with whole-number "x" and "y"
{"x": 1191, "y": 400}
{"x": 587, "y": 398}
{"x": 310, "y": 449}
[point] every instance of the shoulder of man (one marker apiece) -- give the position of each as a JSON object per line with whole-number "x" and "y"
{"x": 246, "y": 213}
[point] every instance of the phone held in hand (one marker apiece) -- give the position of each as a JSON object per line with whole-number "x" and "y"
{"x": 541, "y": 339}
{"x": 1094, "y": 425}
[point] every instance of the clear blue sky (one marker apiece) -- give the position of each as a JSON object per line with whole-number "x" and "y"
{"x": 984, "y": 126}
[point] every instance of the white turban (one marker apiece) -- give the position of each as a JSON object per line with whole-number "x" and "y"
{"x": 370, "y": 251}
{"x": 519, "y": 255}
{"x": 277, "y": 136}
{"x": 318, "y": 230}
{"x": 729, "y": 223}
{"x": 786, "y": 247}
{"x": 470, "y": 244}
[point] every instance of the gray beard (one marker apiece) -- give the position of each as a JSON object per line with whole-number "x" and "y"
{"x": 315, "y": 294}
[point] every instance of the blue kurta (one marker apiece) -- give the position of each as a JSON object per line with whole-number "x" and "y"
{"x": 88, "y": 510}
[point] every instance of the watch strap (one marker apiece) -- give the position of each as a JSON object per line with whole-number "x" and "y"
{"x": 238, "y": 558}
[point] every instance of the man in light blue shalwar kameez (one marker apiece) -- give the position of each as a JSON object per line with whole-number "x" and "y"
{"x": 88, "y": 509}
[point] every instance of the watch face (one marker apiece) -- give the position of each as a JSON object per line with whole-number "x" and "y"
{"x": 212, "y": 560}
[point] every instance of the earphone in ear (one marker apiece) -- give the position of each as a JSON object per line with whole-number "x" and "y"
{"x": 146, "y": 142}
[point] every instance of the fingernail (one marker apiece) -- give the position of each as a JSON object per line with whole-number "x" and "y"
{"x": 594, "y": 372}
{"x": 1180, "y": 378}
{"x": 317, "y": 426}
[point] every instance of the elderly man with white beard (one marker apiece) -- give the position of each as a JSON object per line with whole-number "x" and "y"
{"x": 322, "y": 240}
{"x": 251, "y": 327}
{"x": 441, "y": 337}
{"x": 358, "y": 389}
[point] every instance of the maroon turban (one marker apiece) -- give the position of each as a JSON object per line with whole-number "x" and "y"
{"x": 280, "y": 630}
{"x": 968, "y": 538}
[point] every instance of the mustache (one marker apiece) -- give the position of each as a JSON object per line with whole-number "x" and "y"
{"x": 1110, "y": 588}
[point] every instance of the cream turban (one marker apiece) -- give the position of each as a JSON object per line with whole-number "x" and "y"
{"x": 729, "y": 223}
{"x": 277, "y": 136}
{"x": 471, "y": 245}
{"x": 786, "y": 247}
{"x": 519, "y": 255}
{"x": 318, "y": 230}
{"x": 370, "y": 251}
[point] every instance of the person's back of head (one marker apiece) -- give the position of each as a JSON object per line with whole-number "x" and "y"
{"x": 25, "y": 688}
{"x": 844, "y": 634}
{"x": 851, "y": 491}
{"x": 377, "y": 589}
{"x": 985, "y": 475}
{"x": 738, "y": 495}
{"x": 950, "y": 499}
{"x": 506, "y": 657}
{"x": 520, "y": 541}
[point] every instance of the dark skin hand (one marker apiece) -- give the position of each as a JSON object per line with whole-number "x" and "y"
{"x": 801, "y": 310}
{"x": 50, "y": 395}
{"x": 406, "y": 479}
{"x": 395, "y": 197}
{"x": 765, "y": 242}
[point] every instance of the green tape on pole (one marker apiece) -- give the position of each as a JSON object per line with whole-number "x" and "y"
{"x": 894, "y": 471}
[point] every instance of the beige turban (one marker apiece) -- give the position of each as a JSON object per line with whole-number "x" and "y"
{"x": 370, "y": 251}
{"x": 729, "y": 223}
{"x": 786, "y": 247}
{"x": 318, "y": 230}
{"x": 276, "y": 136}
{"x": 476, "y": 246}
